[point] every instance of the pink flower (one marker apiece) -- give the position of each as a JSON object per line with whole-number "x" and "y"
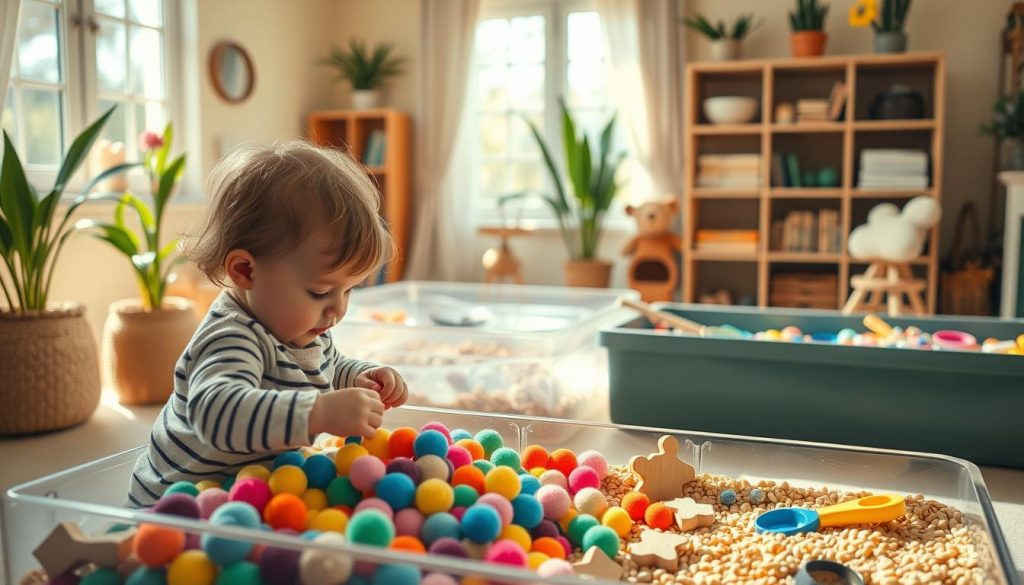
{"x": 149, "y": 140}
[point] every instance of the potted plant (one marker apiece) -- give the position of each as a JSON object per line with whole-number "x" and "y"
{"x": 143, "y": 338}
{"x": 1008, "y": 126}
{"x": 365, "y": 71}
{"x": 51, "y": 376}
{"x": 888, "y": 24}
{"x": 725, "y": 43}
{"x": 591, "y": 176}
{"x": 808, "y": 21}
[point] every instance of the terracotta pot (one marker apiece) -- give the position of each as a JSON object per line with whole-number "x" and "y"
{"x": 140, "y": 348}
{"x": 588, "y": 273}
{"x": 808, "y": 43}
{"x": 51, "y": 377}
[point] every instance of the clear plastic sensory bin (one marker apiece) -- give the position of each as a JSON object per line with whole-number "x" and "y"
{"x": 947, "y": 532}
{"x": 488, "y": 347}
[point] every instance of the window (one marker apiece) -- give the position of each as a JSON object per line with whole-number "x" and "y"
{"x": 74, "y": 59}
{"x": 528, "y": 55}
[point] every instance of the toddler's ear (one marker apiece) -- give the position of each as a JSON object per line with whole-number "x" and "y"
{"x": 239, "y": 267}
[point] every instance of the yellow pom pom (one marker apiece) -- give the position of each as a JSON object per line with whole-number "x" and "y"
{"x": 504, "y": 481}
{"x": 288, "y": 479}
{"x": 536, "y": 559}
{"x": 564, "y": 521}
{"x": 346, "y": 455}
{"x": 208, "y": 484}
{"x": 378, "y": 445}
{"x": 192, "y": 567}
{"x": 537, "y": 471}
{"x": 518, "y": 535}
{"x": 254, "y": 471}
{"x": 331, "y": 519}
{"x": 618, "y": 520}
{"x": 433, "y": 496}
{"x": 315, "y": 499}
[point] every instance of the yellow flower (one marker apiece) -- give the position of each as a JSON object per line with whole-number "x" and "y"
{"x": 863, "y": 13}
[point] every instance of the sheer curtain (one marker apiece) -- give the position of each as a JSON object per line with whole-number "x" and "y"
{"x": 8, "y": 40}
{"x": 646, "y": 48}
{"x": 441, "y": 237}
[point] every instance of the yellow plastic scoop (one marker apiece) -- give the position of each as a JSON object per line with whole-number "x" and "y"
{"x": 867, "y": 510}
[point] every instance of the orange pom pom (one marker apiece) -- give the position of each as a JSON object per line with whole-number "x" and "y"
{"x": 535, "y": 456}
{"x": 563, "y": 460}
{"x": 400, "y": 442}
{"x": 408, "y": 544}
{"x": 286, "y": 511}
{"x": 635, "y": 504}
{"x": 659, "y": 515}
{"x": 549, "y": 546}
{"x": 471, "y": 476}
{"x": 475, "y": 449}
{"x": 156, "y": 546}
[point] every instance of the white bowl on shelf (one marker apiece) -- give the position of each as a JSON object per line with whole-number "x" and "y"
{"x": 729, "y": 109}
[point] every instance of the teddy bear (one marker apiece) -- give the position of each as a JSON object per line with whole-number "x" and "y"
{"x": 654, "y": 269}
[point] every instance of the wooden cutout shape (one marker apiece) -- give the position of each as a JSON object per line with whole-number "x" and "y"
{"x": 67, "y": 548}
{"x": 596, "y": 563}
{"x": 657, "y": 549}
{"x": 662, "y": 474}
{"x": 690, "y": 515}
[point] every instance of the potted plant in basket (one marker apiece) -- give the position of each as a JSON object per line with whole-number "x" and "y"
{"x": 51, "y": 376}
{"x": 1008, "y": 126}
{"x": 725, "y": 43}
{"x": 143, "y": 338}
{"x": 365, "y": 71}
{"x": 591, "y": 176}
{"x": 888, "y": 24}
{"x": 808, "y": 22}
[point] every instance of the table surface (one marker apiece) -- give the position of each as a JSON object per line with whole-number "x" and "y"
{"x": 115, "y": 428}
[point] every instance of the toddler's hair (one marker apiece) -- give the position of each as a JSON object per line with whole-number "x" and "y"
{"x": 268, "y": 199}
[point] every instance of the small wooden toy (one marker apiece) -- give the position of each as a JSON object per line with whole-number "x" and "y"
{"x": 690, "y": 515}
{"x": 67, "y": 548}
{"x": 657, "y": 548}
{"x": 654, "y": 270}
{"x": 867, "y": 510}
{"x": 670, "y": 319}
{"x": 597, "y": 563}
{"x": 662, "y": 474}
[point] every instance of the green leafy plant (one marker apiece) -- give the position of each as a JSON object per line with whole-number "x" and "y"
{"x": 592, "y": 181}
{"x": 744, "y": 25}
{"x": 1007, "y": 118}
{"x": 808, "y": 16}
{"x": 363, "y": 69}
{"x": 30, "y": 242}
{"x": 153, "y": 263}
{"x": 893, "y": 16}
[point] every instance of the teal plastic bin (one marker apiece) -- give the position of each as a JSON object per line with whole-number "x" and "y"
{"x": 966, "y": 404}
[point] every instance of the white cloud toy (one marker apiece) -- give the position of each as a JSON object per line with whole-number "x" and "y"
{"x": 892, "y": 235}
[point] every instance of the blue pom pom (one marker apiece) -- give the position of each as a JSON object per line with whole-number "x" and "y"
{"x": 309, "y": 534}
{"x": 529, "y": 484}
{"x": 397, "y": 489}
{"x": 320, "y": 470}
{"x": 756, "y": 496}
{"x": 396, "y": 575}
{"x": 430, "y": 442}
{"x": 728, "y": 497}
{"x": 241, "y": 513}
{"x": 481, "y": 523}
{"x": 440, "y": 525}
{"x": 526, "y": 511}
{"x": 225, "y": 551}
{"x": 459, "y": 434}
{"x": 289, "y": 458}
{"x": 353, "y": 439}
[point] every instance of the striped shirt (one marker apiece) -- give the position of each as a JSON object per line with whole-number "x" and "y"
{"x": 240, "y": 397}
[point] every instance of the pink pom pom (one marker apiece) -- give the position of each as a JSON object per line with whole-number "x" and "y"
{"x": 595, "y": 461}
{"x": 436, "y": 426}
{"x": 251, "y": 490}
{"x": 409, "y": 522}
{"x": 375, "y": 504}
{"x": 458, "y": 512}
{"x": 554, "y": 477}
{"x": 438, "y": 579}
{"x": 565, "y": 544}
{"x": 506, "y": 552}
{"x": 555, "y": 501}
{"x": 499, "y": 503}
{"x": 209, "y": 500}
{"x": 365, "y": 472}
{"x": 459, "y": 456}
{"x": 583, "y": 477}
{"x": 555, "y": 568}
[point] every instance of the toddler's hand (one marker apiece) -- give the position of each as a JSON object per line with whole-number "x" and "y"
{"x": 346, "y": 412}
{"x": 387, "y": 382}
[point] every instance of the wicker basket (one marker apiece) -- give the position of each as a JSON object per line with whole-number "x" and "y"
{"x": 51, "y": 376}
{"x": 965, "y": 284}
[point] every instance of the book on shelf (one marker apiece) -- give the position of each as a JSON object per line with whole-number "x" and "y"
{"x": 736, "y": 241}
{"x": 807, "y": 232}
{"x": 837, "y": 101}
{"x": 793, "y": 170}
{"x": 373, "y": 154}
{"x": 884, "y": 168}
{"x": 811, "y": 110}
{"x": 779, "y": 178}
{"x": 729, "y": 171}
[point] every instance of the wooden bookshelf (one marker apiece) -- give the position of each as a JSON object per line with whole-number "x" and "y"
{"x": 351, "y": 130}
{"x": 837, "y": 144}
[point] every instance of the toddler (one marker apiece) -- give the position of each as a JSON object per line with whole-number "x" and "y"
{"x": 291, "y": 230}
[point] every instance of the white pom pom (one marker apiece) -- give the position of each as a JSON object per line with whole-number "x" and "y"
{"x": 318, "y": 567}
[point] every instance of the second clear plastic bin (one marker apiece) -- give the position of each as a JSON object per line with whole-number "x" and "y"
{"x": 521, "y": 349}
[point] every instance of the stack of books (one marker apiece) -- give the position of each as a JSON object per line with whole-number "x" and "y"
{"x": 882, "y": 168}
{"x": 804, "y": 290}
{"x": 808, "y": 231}
{"x": 729, "y": 171}
{"x": 373, "y": 155}
{"x": 811, "y": 110}
{"x": 727, "y": 241}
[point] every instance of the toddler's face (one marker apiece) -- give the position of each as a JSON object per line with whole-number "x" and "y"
{"x": 299, "y": 296}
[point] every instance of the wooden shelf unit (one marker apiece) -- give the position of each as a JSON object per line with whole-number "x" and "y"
{"x": 840, "y": 142}
{"x": 350, "y": 130}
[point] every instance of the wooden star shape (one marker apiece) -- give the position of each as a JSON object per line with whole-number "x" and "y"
{"x": 596, "y": 563}
{"x": 690, "y": 515}
{"x": 662, "y": 474}
{"x": 657, "y": 549}
{"x": 67, "y": 548}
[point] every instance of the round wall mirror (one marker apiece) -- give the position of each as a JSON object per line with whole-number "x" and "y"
{"x": 231, "y": 72}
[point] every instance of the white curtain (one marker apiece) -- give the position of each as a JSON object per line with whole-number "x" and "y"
{"x": 441, "y": 236}
{"x": 646, "y": 46}
{"x": 8, "y": 40}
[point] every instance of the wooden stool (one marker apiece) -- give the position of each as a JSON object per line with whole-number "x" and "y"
{"x": 891, "y": 280}
{"x": 500, "y": 262}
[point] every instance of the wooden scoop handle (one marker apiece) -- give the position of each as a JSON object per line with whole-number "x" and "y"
{"x": 670, "y": 319}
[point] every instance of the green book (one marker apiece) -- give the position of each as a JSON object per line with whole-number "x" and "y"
{"x": 793, "y": 166}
